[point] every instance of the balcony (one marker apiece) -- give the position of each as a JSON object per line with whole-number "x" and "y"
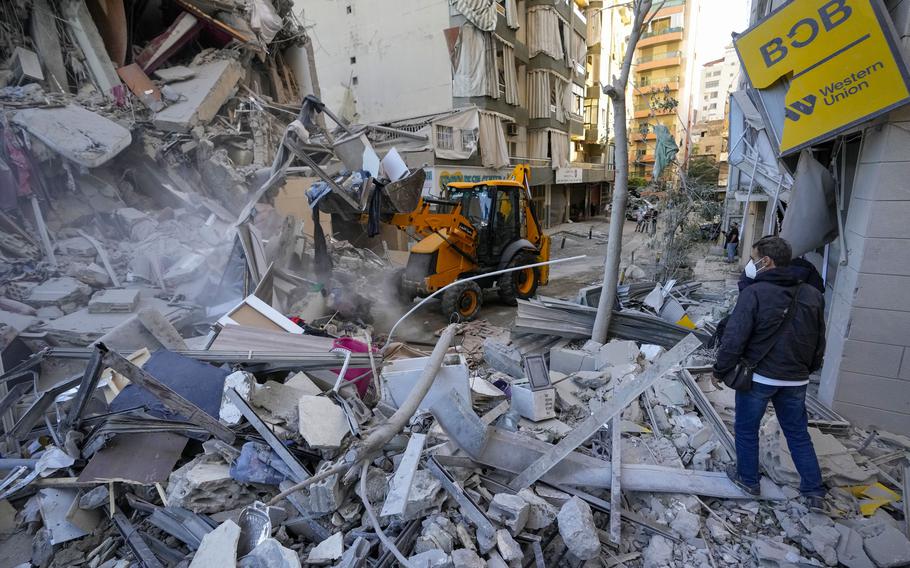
{"x": 655, "y": 87}
{"x": 645, "y": 111}
{"x": 668, "y": 59}
{"x": 661, "y": 36}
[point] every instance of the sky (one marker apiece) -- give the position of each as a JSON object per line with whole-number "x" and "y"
{"x": 718, "y": 19}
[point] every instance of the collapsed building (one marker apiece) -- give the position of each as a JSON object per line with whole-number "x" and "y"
{"x": 195, "y": 370}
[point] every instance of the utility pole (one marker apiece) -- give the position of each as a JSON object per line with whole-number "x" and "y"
{"x": 617, "y": 93}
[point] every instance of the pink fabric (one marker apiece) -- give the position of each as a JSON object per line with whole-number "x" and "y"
{"x": 349, "y": 344}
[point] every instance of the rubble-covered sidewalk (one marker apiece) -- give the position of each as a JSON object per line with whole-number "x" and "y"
{"x": 197, "y": 370}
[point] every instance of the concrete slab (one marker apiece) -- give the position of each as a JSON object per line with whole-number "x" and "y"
{"x": 114, "y": 301}
{"x": 174, "y": 74}
{"x": 203, "y": 96}
{"x": 19, "y": 322}
{"x": 322, "y": 422}
{"x": 82, "y": 327}
{"x": 218, "y": 548}
{"x": 401, "y": 375}
{"x": 57, "y": 291}
{"x": 75, "y": 133}
{"x": 327, "y": 551}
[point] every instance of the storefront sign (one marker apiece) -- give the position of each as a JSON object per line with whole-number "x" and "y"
{"x": 569, "y": 175}
{"x": 470, "y": 175}
{"x": 843, "y": 60}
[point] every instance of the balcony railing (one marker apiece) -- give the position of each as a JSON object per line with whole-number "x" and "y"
{"x": 664, "y": 31}
{"x": 656, "y": 81}
{"x": 659, "y": 56}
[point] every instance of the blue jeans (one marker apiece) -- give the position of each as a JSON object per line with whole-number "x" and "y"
{"x": 731, "y": 251}
{"x": 790, "y": 407}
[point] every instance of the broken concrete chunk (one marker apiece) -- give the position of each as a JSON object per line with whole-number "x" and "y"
{"x": 174, "y": 74}
{"x": 90, "y": 274}
{"x": 686, "y": 524}
{"x": 322, "y": 422}
{"x": 617, "y": 352}
{"x": 202, "y": 96}
{"x": 592, "y": 379}
{"x": 509, "y": 510}
{"x": 464, "y": 558}
{"x": 438, "y": 533}
{"x": 57, "y": 291}
{"x": 658, "y": 553}
{"x": 889, "y": 548}
{"x": 244, "y": 383}
{"x": 268, "y": 554}
{"x": 218, "y": 548}
{"x": 327, "y": 551}
{"x": 541, "y": 514}
{"x": 207, "y": 487}
{"x": 571, "y": 361}
{"x": 95, "y": 498}
{"x": 576, "y": 526}
{"x": 507, "y": 546}
{"x": 303, "y": 383}
{"x": 850, "y": 550}
{"x": 431, "y": 559}
{"x": 773, "y": 553}
{"x": 114, "y": 301}
{"x": 823, "y": 540}
{"x": 75, "y": 133}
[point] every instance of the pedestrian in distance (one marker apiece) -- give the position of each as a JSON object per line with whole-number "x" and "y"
{"x": 776, "y": 332}
{"x": 731, "y": 241}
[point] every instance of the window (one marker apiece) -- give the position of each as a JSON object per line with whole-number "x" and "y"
{"x": 468, "y": 138}
{"x": 714, "y": 95}
{"x": 353, "y": 80}
{"x": 712, "y": 84}
{"x": 713, "y": 106}
{"x": 715, "y": 74}
{"x": 709, "y": 148}
{"x": 353, "y": 60}
{"x": 578, "y": 99}
{"x": 444, "y": 139}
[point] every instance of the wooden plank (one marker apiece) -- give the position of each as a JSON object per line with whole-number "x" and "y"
{"x": 141, "y": 86}
{"x": 170, "y": 399}
{"x": 622, "y": 397}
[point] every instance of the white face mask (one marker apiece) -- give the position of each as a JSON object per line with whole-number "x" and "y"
{"x": 752, "y": 269}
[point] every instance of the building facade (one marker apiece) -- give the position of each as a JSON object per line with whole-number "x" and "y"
{"x": 663, "y": 70}
{"x": 866, "y": 267}
{"x": 719, "y": 78}
{"x": 522, "y": 63}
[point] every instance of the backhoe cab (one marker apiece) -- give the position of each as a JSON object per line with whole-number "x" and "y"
{"x": 474, "y": 229}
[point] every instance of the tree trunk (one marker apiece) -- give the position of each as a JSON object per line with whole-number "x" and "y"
{"x": 617, "y": 94}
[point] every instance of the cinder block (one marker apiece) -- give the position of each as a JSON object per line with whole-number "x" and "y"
{"x": 872, "y": 358}
{"x": 571, "y": 360}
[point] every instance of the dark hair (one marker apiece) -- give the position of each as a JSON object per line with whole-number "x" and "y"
{"x": 775, "y": 248}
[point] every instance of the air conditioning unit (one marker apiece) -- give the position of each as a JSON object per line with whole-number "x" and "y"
{"x": 511, "y": 129}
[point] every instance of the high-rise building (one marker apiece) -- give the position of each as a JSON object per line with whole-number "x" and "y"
{"x": 521, "y": 63}
{"x": 662, "y": 71}
{"x": 719, "y": 78}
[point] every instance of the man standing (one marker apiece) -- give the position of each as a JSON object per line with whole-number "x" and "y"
{"x": 783, "y": 349}
{"x": 731, "y": 240}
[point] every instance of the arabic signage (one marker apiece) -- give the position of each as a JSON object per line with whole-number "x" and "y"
{"x": 843, "y": 61}
{"x": 569, "y": 175}
{"x": 467, "y": 174}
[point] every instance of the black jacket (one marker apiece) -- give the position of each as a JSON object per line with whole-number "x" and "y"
{"x": 800, "y": 269}
{"x": 800, "y": 345}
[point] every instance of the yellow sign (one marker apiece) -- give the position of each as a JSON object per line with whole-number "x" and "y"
{"x": 844, "y": 65}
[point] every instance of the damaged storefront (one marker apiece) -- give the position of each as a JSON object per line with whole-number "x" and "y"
{"x": 819, "y": 159}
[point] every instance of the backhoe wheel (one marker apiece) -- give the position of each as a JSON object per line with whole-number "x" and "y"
{"x": 462, "y": 302}
{"x": 395, "y": 284}
{"x": 521, "y": 283}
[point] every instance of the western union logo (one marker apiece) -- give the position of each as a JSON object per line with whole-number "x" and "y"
{"x": 842, "y": 60}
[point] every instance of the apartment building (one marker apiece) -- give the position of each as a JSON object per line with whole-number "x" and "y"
{"x": 663, "y": 68}
{"x": 719, "y": 78}
{"x": 520, "y": 63}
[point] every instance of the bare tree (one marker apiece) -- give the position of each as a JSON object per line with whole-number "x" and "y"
{"x": 642, "y": 15}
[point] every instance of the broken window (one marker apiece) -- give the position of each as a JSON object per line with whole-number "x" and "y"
{"x": 468, "y": 138}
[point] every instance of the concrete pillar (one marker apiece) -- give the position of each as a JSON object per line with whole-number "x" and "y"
{"x": 866, "y": 376}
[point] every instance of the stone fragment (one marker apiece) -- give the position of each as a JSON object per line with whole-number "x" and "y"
{"x": 243, "y": 383}
{"x": 541, "y": 514}
{"x": 431, "y": 559}
{"x": 617, "y": 352}
{"x": 327, "y": 551}
{"x": 889, "y": 548}
{"x": 57, "y": 291}
{"x": 201, "y": 97}
{"x": 824, "y": 541}
{"x": 576, "y": 526}
{"x": 773, "y": 553}
{"x": 509, "y": 510}
{"x": 717, "y": 529}
{"x": 464, "y": 558}
{"x": 322, "y": 422}
{"x": 438, "y": 533}
{"x": 571, "y": 360}
{"x": 268, "y": 554}
{"x": 686, "y": 524}
{"x": 207, "y": 487}
{"x": 658, "y": 553}
{"x": 218, "y": 548}
{"x": 507, "y": 546}
{"x": 90, "y": 274}
{"x": 592, "y": 379}
{"x": 95, "y": 498}
{"x": 114, "y": 301}
{"x": 850, "y": 550}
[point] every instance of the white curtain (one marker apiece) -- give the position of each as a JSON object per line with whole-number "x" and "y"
{"x": 559, "y": 149}
{"x": 470, "y": 75}
{"x": 537, "y": 143}
{"x": 566, "y": 100}
{"x": 567, "y": 34}
{"x": 543, "y": 33}
{"x": 579, "y": 52}
{"x": 561, "y": 87}
{"x": 539, "y": 94}
{"x": 481, "y": 13}
{"x": 511, "y": 74}
{"x": 512, "y": 14}
{"x": 454, "y": 136}
{"x": 491, "y": 66}
{"x": 493, "y": 150}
